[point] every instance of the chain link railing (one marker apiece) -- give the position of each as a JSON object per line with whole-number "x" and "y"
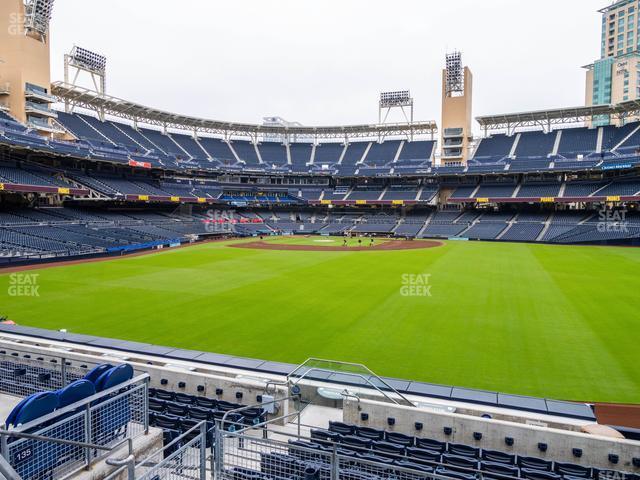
{"x": 102, "y": 420}
{"x": 246, "y": 457}
{"x": 183, "y": 458}
{"x": 22, "y": 374}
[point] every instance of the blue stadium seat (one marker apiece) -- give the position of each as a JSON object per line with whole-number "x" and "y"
{"x": 164, "y": 395}
{"x": 206, "y": 402}
{"x": 413, "y": 466}
{"x": 459, "y": 461}
{"x": 97, "y": 371}
{"x": 114, "y": 376}
{"x": 167, "y": 422}
{"x": 358, "y": 442}
{"x": 326, "y": 437}
{"x": 429, "y": 444}
{"x": 371, "y": 433}
{"x": 177, "y": 409}
{"x": 532, "y": 474}
{"x": 446, "y": 472}
{"x": 495, "y": 456}
{"x": 33, "y": 407}
{"x": 157, "y": 405}
{"x": 387, "y": 448}
{"x": 463, "y": 450}
{"x": 423, "y": 455}
{"x": 341, "y": 428}
{"x": 500, "y": 469}
{"x": 399, "y": 438}
{"x": 533, "y": 463}
{"x": 14, "y": 413}
{"x": 74, "y": 392}
{"x": 184, "y": 398}
{"x": 569, "y": 469}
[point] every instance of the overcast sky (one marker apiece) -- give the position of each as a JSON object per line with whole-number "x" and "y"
{"x": 324, "y": 62}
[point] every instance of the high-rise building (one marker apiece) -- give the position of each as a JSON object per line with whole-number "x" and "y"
{"x": 615, "y": 76}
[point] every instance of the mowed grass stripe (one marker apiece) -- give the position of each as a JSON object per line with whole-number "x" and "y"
{"x": 540, "y": 320}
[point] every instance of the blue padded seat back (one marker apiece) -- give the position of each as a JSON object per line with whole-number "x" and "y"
{"x": 95, "y": 374}
{"x": 14, "y": 413}
{"x": 114, "y": 376}
{"x": 37, "y": 406}
{"x": 74, "y": 392}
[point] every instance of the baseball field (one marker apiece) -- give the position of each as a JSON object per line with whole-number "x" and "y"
{"x": 553, "y": 321}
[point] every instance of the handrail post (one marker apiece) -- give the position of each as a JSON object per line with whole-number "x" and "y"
{"x": 87, "y": 433}
{"x": 63, "y": 371}
{"x": 335, "y": 464}
{"x": 6, "y": 470}
{"x": 219, "y": 452}
{"x": 4, "y": 450}
{"x": 146, "y": 405}
{"x": 203, "y": 451}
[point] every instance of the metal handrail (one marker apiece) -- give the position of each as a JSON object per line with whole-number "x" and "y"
{"x": 173, "y": 442}
{"x": 30, "y": 436}
{"x": 223, "y": 420}
{"x": 357, "y": 375}
{"x": 202, "y": 469}
{"x": 7, "y": 471}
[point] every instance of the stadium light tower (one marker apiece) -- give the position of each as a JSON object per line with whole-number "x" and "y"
{"x": 37, "y": 17}
{"x": 457, "y": 97}
{"x": 82, "y": 60}
{"x": 395, "y": 100}
{"x": 454, "y": 78}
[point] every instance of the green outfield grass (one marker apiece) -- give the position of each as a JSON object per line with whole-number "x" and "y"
{"x": 552, "y": 321}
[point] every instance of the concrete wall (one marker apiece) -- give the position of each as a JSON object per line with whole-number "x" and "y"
{"x": 560, "y": 443}
{"x": 210, "y": 379}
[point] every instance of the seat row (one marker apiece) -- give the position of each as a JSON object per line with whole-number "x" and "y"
{"x": 446, "y": 464}
{"x": 105, "y": 426}
{"x": 187, "y": 399}
{"x": 435, "y": 451}
{"x": 202, "y": 408}
{"x": 248, "y": 417}
{"x": 177, "y": 413}
{"x": 39, "y": 404}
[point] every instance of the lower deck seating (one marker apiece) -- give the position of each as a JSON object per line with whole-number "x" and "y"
{"x": 34, "y": 233}
{"x": 70, "y": 231}
{"x": 523, "y": 232}
{"x": 484, "y": 231}
{"x": 364, "y": 453}
{"x": 176, "y": 413}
